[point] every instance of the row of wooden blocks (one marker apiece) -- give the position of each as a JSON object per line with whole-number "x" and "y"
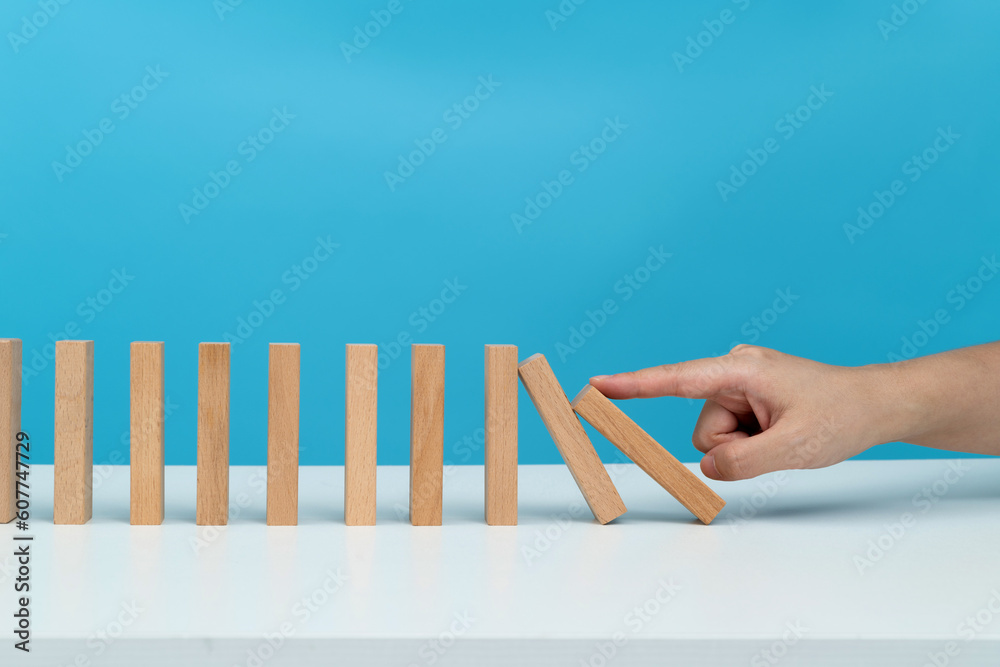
{"x": 74, "y": 393}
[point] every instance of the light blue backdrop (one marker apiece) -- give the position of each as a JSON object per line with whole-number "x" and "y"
{"x": 166, "y": 169}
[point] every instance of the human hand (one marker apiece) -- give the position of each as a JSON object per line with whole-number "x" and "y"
{"x": 765, "y": 410}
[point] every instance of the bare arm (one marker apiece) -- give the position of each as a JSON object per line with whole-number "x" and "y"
{"x": 766, "y": 411}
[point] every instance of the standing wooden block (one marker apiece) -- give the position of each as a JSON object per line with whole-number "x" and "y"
{"x": 501, "y": 435}
{"x": 658, "y": 463}
{"x": 10, "y": 424}
{"x": 426, "y": 434}
{"x": 360, "y": 440}
{"x": 74, "y": 432}
{"x": 146, "y": 464}
{"x": 213, "y": 434}
{"x": 569, "y": 436}
{"x": 283, "y": 435}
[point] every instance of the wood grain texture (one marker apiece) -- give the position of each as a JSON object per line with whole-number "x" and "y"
{"x": 570, "y": 438}
{"x": 213, "y": 435}
{"x": 10, "y": 424}
{"x": 360, "y": 434}
{"x": 501, "y": 435}
{"x": 646, "y": 453}
{"x": 426, "y": 434}
{"x": 147, "y": 451}
{"x": 283, "y": 435}
{"x": 73, "y": 436}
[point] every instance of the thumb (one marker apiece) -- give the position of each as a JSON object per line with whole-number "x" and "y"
{"x": 746, "y": 457}
{"x": 698, "y": 378}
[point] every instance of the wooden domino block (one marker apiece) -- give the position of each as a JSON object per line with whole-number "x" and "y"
{"x": 213, "y": 435}
{"x": 73, "y": 436}
{"x": 10, "y": 424}
{"x": 146, "y": 463}
{"x": 283, "y": 435}
{"x": 658, "y": 463}
{"x": 501, "y": 435}
{"x": 360, "y": 429}
{"x": 570, "y": 438}
{"x": 426, "y": 434}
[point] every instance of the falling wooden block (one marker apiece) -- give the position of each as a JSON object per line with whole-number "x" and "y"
{"x": 501, "y": 435}
{"x": 360, "y": 428}
{"x": 213, "y": 434}
{"x": 658, "y": 463}
{"x": 10, "y": 424}
{"x": 73, "y": 436}
{"x": 146, "y": 463}
{"x": 570, "y": 438}
{"x": 283, "y": 435}
{"x": 426, "y": 434}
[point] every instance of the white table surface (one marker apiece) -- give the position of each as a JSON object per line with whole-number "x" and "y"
{"x": 556, "y": 589}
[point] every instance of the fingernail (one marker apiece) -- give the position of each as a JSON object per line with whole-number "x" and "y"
{"x": 599, "y": 377}
{"x": 708, "y": 467}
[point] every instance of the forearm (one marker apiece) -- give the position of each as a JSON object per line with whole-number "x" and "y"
{"x": 947, "y": 401}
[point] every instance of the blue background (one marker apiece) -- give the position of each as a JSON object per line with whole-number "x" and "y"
{"x": 323, "y": 176}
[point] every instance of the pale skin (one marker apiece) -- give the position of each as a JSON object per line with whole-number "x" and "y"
{"x": 766, "y": 410}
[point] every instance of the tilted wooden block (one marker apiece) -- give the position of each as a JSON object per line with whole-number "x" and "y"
{"x": 10, "y": 424}
{"x": 658, "y": 463}
{"x": 569, "y": 436}
{"x": 501, "y": 435}
{"x": 283, "y": 435}
{"x": 74, "y": 432}
{"x": 147, "y": 451}
{"x": 360, "y": 430}
{"x": 426, "y": 434}
{"x": 213, "y": 435}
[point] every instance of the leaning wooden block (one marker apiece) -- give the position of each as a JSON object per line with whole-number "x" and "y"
{"x": 146, "y": 459}
{"x": 360, "y": 429}
{"x": 74, "y": 432}
{"x": 426, "y": 434}
{"x": 569, "y": 436}
{"x": 501, "y": 435}
{"x": 10, "y": 424}
{"x": 658, "y": 463}
{"x": 213, "y": 435}
{"x": 283, "y": 436}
